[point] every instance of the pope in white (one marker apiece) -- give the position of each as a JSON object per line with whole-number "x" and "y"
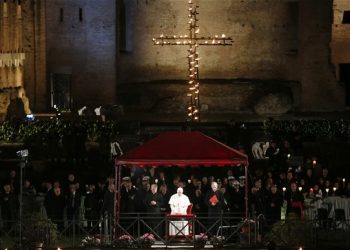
{"x": 179, "y": 203}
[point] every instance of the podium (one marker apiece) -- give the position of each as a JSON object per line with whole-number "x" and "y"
{"x": 180, "y": 226}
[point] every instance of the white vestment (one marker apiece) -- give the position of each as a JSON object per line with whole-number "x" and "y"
{"x": 179, "y": 205}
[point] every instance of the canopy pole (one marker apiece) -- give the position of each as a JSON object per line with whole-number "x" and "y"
{"x": 246, "y": 191}
{"x": 118, "y": 170}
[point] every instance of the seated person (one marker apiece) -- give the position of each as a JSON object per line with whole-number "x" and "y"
{"x": 179, "y": 203}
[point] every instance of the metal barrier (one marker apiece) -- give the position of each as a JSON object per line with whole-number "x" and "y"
{"x": 234, "y": 230}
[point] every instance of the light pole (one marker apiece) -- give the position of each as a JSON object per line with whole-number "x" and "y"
{"x": 23, "y": 154}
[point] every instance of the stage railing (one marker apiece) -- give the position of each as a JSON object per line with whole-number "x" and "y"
{"x": 71, "y": 232}
{"x": 233, "y": 230}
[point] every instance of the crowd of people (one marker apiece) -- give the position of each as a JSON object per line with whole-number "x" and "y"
{"x": 148, "y": 190}
{"x": 64, "y": 202}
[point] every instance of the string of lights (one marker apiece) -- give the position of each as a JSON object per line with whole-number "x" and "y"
{"x": 193, "y": 41}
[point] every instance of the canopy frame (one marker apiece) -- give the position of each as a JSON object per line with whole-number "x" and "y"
{"x": 129, "y": 160}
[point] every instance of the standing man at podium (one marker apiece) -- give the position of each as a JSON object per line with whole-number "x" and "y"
{"x": 179, "y": 203}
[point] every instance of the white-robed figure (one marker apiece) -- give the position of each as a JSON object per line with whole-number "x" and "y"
{"x": 179, "y": 203}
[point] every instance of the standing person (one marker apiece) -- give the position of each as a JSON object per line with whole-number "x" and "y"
{"x": 54, "y": 205}
{"x": 198, "y": 202}
{"x": 273, "y": 205}
{"x": 295, "y": 200}
{"x": 166, "y": 197}
{"x": 235, "y": 198}
{"x": 108, "y": 201}
{"x": 154, "y": 201}
{"x": 128, "y": 193}
{"x": 108, "y": 206}
{"x": 215, "y": 202}
{"x": 141, "y": 194}
{"x": 179, "y": 203}
{"x": 73, "y": 202}
{"x": 91, "y": 208}
{"x": 258, "y": 198}
{"x": 9, "y": 205}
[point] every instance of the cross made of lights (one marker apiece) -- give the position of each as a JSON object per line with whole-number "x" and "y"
{"x": 193, "y": 41}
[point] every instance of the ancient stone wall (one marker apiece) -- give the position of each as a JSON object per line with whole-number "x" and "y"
{"x": 284, "y": 57}
{"x": 320, "y": 90}
{"x": 284, "y": 43}
{"x": 83, "y": 43}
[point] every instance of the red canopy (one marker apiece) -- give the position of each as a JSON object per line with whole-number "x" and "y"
{"x": 183, "y": 149}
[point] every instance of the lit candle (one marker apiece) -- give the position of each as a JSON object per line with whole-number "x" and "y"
{"x": 156, "y": 181}
{"x": 327, "y": 190}
{"x": 344, "y": 180}
{"x": 189, "y": 181}
{"x": 284, "y": 189}
{"x": 314, "y": 162}
{"x": 288, "y": 155}
{"x": 300, "y": 188}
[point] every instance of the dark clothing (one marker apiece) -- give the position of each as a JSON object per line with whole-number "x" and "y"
{"x": 274, "y": 203}
{"x": 128, "y": 200}
{"x": 158, "y": 198}
{"x": 9, "y": 205}
{"x": 91, "y": 210}
{"x": 199, "y": 205}
{"x": 214, "y": 210}
{"x": 274, "y": 158}
{"x": 155, "y": 210}
{"x": 258, "y": 202}
{"x": 190, "y": 192}
{"x": 73, "y": 202}
{"x": 15, "y": 111}
{"x": 54, "y": 206}
{"x": 294, "y": 202}
{"x": 165, "y": 208}
{"x": 108, "y": 204}
{"x": 235, "y": 199}
{"x": 139, "y": 200}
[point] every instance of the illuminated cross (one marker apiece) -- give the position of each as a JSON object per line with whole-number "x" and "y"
{"x": 193, "y": 41}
